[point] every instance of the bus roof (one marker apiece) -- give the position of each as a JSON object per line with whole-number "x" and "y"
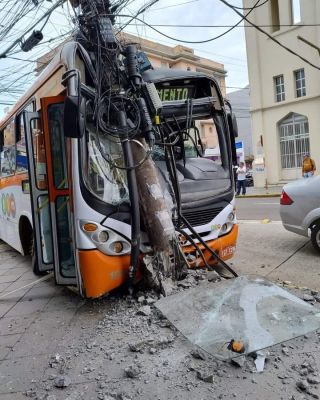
{"x": 60, "y": 59}
{"x": 66, "y": 56}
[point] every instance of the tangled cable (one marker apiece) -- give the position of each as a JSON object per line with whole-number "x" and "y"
{"x": 108, "y": 107}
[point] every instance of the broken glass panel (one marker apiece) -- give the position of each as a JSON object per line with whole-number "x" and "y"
{"x": 251, "y": 310}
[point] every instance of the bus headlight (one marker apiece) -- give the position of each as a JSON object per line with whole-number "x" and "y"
{"x": 103, "y": 236}
{"x": 226, "y": 228}
{"x": 89, "y": 227}
{"x": 231, "y": 217}
{"x": 105, "y": 239}
{"x": 116, "y": 247}
{"x": 228, "y": 225}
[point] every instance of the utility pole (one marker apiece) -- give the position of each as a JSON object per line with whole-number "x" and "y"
{"x": 118, "y": 75}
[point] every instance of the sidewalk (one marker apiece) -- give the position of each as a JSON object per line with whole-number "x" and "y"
{"x": 271, "y": 191}
{"x": 57, "y": 346}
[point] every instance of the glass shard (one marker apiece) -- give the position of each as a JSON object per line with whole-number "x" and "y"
{"x": 251, "y": 310}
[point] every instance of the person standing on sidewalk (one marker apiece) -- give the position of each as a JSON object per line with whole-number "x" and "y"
{"x": 308, "y": 166}
{"x": 241, "y": 179}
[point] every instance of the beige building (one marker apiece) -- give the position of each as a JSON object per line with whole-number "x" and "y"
{"x": 178, "y": 57}
{"x": 285, "y": 90}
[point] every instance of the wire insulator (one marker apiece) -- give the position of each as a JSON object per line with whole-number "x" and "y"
{"x": 32, "y": 41}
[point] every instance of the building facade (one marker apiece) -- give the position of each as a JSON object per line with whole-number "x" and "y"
{"x": 285, "y": 90}
{"x": 240, "y": 101}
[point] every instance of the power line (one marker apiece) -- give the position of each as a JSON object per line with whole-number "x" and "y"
{"x": 175, "y": 5}
{"x": 226, "y": 26}
{"x": 250, "y": 8}
{"x": 189, "y": 41}
{"x": 197, "y": 49}
{"x": 46, "y": 16}
{"x": 271, "y": 37}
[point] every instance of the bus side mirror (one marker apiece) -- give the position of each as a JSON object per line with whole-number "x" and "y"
{"x": 233, "y": 125}
{"x": 233, "y": 129}
{"x": 1, "y": 141}
{"x": 74, "y": 117}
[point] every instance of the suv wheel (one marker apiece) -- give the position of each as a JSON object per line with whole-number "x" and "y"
{"x": 315, "y": 236}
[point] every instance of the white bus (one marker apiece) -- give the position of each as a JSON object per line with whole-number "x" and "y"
{"x": 62, "y": 203}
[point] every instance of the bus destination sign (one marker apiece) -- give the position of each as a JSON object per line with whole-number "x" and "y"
{"x": 175, "y": 93}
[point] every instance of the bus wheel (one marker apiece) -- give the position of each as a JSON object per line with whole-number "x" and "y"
{"x": 34, "y": 260}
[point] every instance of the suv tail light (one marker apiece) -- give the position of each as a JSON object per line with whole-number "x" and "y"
{"x": 285, "y": 200}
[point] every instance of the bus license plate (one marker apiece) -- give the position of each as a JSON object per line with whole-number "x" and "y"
{"x": 227, "y": 251}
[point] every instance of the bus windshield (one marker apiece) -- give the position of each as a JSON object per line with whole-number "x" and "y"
{"x": 102, "y": 176}
{"x": 191, "y": 125}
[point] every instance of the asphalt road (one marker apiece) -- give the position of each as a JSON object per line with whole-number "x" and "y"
{"x": 258, "y": 208}
{"x": 271, "y": 251}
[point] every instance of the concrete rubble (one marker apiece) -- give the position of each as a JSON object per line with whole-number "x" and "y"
{"x": 122, "y": 348}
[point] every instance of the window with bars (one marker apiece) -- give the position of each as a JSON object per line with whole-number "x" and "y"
{"x": 300, "y": 83}
{"x": 294, "y": 140}
{"x": 279, "y": 88}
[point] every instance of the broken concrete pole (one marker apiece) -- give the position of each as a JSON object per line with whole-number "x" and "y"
{"x": 168, "y": 258}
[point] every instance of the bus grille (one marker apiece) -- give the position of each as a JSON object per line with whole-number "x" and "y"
{"x": 201, "y": 217}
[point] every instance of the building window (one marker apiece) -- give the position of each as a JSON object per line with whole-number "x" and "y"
{"x": 300, "y": 83}
{"x": 295, "y": 11}
{"x": 294, "y": 140}
{"x": 275, "y": 18}
{"x": 279, "y": 88}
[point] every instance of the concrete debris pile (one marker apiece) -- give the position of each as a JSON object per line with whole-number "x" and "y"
{"x": 135, "y": 353}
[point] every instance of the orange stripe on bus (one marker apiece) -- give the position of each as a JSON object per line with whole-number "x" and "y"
{"x": 14, "y": 180}
{"x": 101, "y": 273}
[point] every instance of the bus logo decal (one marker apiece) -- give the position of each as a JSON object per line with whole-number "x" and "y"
{"x": 8, "y": 205}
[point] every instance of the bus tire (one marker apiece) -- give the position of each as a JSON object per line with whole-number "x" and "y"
{"x": 27, "y": 243}
{"x": 34, "y": 259}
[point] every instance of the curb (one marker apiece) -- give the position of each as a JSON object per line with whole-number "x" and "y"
{"x": 252, "y": 196}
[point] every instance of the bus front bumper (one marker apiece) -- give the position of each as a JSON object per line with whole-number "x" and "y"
{"x": 101, "y": 273}
{"x": 224, "y": 246}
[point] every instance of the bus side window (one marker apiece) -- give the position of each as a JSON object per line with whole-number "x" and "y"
{"x": 21, "y": 155}
{"x": 1, "y": 148}
{"x": 8, "y": 152}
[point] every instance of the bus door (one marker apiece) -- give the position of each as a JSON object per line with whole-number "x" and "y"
{"x": 50, "y": 188}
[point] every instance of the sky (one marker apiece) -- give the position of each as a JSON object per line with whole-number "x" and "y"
{"x": 16, "y": 71}
{"x": 230, "y": 49}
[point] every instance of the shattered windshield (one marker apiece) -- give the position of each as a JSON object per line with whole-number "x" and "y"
{"x": 250, "y": 310}
{"x": 205, "y": 138}
{"x": 103, "y": 174}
